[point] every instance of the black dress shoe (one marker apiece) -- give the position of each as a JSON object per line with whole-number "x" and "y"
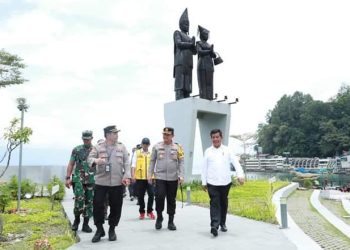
{"x": 223, "y": 228}
{"x": 214, "y": 231}
{"x": 97, "y": 237}
{"x": 112, "y": 236}
{"x": 171, "y": 226}
{"x": 159, "y": 222}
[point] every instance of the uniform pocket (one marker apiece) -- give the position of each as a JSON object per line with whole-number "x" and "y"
{"x": 119, "y": 156}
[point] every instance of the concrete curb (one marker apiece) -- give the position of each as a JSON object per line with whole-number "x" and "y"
{"x": 293, "y": 232}
{"x": 346, "y": 205}
{"x": 329, "y": 216}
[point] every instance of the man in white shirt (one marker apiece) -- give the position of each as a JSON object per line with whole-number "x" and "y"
{"x": 217, "y": 179}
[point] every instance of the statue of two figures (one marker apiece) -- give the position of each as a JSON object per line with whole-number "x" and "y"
{"x": 184, "y": 49}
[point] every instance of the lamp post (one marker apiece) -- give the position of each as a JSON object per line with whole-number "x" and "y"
{"x": 22, "y": 106}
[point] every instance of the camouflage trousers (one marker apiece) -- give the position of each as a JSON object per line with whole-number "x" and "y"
{"x": 83, "y": 200}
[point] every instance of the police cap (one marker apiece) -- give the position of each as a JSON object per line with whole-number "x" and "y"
{"x": 168, "y": 131}
{"x": 111, "y": 129}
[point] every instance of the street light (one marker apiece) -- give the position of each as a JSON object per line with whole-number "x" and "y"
{"x": 22, "y": 106}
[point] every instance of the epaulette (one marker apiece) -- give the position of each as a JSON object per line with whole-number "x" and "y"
{"x": 99, "y": 142}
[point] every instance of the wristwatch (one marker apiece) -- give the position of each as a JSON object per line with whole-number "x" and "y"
{"x": 67, "y": 177}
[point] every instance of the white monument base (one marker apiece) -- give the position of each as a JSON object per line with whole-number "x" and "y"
{"x": 182, "y": 116}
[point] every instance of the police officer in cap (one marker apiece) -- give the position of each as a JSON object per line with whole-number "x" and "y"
{"x": 82, "y": 180}
{"x": 167, "y": 165}
{"x": 111, "y": 161}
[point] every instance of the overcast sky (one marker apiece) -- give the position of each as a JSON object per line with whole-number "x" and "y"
{"x": 95, "y": 63}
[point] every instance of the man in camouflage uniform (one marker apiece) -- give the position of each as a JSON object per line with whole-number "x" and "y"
{"x": 167, "y": 165}
{"x": 111, "y": 161}
{"x": 82, "y": 181}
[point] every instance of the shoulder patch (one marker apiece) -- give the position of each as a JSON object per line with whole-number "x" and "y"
{"x": 180, "y": 151}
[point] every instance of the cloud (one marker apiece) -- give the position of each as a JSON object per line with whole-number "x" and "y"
{"x": 91, "y": 64}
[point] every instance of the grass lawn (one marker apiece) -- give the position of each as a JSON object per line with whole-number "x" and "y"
{"x": 37, "y": 222}
{"x": 252, "y": 200}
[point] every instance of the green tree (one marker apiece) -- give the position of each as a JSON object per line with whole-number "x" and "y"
{"x": 14, "y": 136}
{"x": 305, "y": 127}
{"x": 283, "y": 130}
{"x": 10, "y": 69}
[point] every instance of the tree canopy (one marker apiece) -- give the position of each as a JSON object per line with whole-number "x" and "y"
{"x": 306, "y": 127}
{"x": 10, "y": 69}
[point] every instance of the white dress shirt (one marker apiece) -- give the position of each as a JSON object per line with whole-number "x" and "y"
{"x": 216, "y": 166}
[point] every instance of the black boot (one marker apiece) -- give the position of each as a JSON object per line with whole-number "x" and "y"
{"x": 100, "y": 232}
{"x": 159, "y": 221}
{"x": 171, "y": 225}
{"x": 111, "y": 234}
{"x": 86, "y": 227}
{"x": 76, "y": 223}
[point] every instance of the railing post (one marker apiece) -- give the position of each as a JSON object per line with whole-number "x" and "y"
{"x": 283, "y": 206}
{"x": 188, "y": 194}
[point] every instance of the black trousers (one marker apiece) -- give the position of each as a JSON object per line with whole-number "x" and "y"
{"x": 115, "y": 198}
{"x": 218, "y": 204}
{"x": 166, "y": 189}
{"x": 142, "y": 186}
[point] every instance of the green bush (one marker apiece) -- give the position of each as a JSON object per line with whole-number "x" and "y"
{"x": 13, "y": 186}
{"x": 27, "y": 187}
{"x": 307, "y": 183}
{"x": 61, "y": 192}
{"x": 5, "y": 197}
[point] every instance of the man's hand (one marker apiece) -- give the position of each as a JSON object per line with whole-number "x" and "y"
{"x": 205, "y": 188}
{"x": 181, "y": 180}
{"x": 240, "y": 180}
{"x": 126, "y": 181}
{"x": 150, "y": 181}
{"x": 68, "y": 183}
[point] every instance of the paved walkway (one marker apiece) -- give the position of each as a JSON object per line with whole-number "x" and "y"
{"x": 193, "y": 232}
{"x": 313, "y": 223}
{"x": 293, "y": 232}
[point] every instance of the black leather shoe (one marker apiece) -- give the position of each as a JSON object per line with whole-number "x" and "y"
{"x": 99, "y": 233}
{"x": 171, "y": 226}
{"x": 111, "y": 235}
{"x": 159, "y": 223}
{"x": 223, "y": 228}
{"x": 214, "y": 231}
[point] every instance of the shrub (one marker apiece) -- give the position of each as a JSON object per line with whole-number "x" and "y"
{"x": 13, "y": 186}
{"x": 27, "y": 187}
{"x": 56, "y": 181}
{"x": 307, "y": 183}
{"x": 5, "y": 197}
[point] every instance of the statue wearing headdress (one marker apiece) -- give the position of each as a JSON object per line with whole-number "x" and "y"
{"x": 184, "y": 49}
{"x": 205, "y": 65}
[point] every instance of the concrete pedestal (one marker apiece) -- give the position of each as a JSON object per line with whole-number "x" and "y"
{"x": 182, "y": 116}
